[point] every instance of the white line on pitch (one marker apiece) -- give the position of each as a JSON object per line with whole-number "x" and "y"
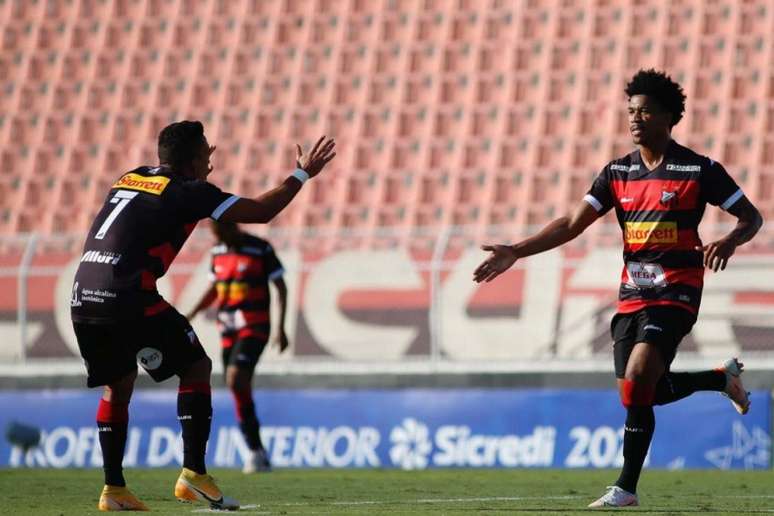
{"x": 241, "y": 508}
{"x": 430, "y": 500}
{"x": 403, "y": 502}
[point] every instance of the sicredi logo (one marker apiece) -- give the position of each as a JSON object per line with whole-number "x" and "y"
{"x": 651, "y": 232}
{"x": 153, "y": 185}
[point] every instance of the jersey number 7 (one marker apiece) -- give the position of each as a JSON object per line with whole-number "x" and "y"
{"x": 120, "y": 199}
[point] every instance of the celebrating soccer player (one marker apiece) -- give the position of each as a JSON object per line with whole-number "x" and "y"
{"x": 120, "y": 318}
{"x": 242, "y": 267}
{"x": 659, "y": 193}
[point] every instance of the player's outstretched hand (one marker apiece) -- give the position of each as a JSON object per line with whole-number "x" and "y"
{"x": 717, "y": 254}
{"x": 501, "y": 259}
{"x": 320, "y": 155}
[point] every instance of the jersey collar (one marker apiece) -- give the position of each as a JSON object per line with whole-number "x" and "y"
{"x": 642, "y": 170}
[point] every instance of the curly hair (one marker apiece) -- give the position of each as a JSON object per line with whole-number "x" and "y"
{"x": 178, "y": 142}
{"x": 660, "y": 87}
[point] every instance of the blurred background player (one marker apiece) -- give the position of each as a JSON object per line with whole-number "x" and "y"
{"x": 242, "y": 267}
{"x": 659, "y": 193}
{"x": 119, "y": 317}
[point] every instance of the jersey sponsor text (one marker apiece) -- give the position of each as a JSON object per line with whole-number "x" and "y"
{"x": 152, "y": 185}
{"x": 101, "y": 257}
{"x": 651, "y": 232}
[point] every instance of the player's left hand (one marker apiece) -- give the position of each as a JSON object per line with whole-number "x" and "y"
{"x": 717, "y": 253}
{"x": 282, "y": 341}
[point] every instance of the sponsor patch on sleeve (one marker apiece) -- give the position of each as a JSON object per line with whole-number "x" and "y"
{"x": 152, "y": 185}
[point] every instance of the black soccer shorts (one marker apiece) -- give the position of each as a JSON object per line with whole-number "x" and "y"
{"x": 661, "y": 326}
{"x": 244, "y": 352}
{"x": 164, "y": 344}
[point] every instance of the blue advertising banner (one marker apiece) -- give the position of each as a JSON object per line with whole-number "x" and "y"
{"x": 410, "y": 429}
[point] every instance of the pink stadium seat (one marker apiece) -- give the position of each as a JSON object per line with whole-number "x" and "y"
{"x": 397, "y": 188}
{"x": 42, "y": 65}
{"x": 186, "y": 30}
{"x": 306, "y": 125}
{"x": 52, "y": 35}
{"x": 92, "y": 9}
{"x": 413, "y": 123}
{"x": 34, "y": 97}
{"x": 67, "y": 97}
{"x": 24, "y": 128}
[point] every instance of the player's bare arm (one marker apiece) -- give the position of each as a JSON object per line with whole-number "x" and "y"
{"x": 558, "y": 232}
{"x": 206, "y": 300}
{"x": 282, "y": 291}
{"x": 265, "y": 207}
{"x": 749, "y": 221}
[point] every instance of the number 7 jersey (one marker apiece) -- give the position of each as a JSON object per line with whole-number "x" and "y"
{"x": 145, "y": 220}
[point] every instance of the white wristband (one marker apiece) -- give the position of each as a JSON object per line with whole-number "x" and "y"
{"x": 301, "y": 175}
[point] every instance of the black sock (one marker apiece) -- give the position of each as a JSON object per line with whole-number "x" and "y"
{"x": 676, "y": 386}
{"x": 251, "y": 430}
{"x": 112, "y": 422}
{"x": 194, "y": 411}
{"x": 638, "y": 431}
{"x": 248, "y": 420}
{"x": 112, "y": 440}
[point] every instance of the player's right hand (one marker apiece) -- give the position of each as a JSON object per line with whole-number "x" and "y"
{"x": 320, "y": 155}
{"x": 501, "y": 259}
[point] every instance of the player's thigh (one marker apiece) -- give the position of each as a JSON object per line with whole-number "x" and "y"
{"x": 169, "y": 345}
{"x": 245, "y": 353}
{"x": 664, "y": 327}
{"x": 623, "y": 332}
{"x": 106, "y": 353}
{"x": 646, "y": 363}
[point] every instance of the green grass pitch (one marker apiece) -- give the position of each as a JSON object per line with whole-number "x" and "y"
{"x": 374, "y": 492}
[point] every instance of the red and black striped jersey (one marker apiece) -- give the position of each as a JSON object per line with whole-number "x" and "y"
{"x": 241, "y": 275}
{"x": 145, "y": 220}
{"x": 659, "y": 212}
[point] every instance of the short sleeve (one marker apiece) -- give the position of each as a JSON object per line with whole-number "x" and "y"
{"x": 273, "y": 265}
{"x": 599, "y": 195}
{"x": 202, "y": 199}
{"x": 718, "y": 188}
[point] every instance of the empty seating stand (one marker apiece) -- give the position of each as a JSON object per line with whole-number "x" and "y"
{"x": 446, "y": 112}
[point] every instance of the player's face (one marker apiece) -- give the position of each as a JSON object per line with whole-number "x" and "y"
{"x": 648, "y": 121}
{"x": 201, "y": 163}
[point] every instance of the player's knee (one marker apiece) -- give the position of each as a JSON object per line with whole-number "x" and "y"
{"x": 204, "y": 366}
{"x": 237, "y": 380}
{"x": 232, "y": 380}
{"x": 121, "y": 390}
{"x": 199, "y": 370}
{"x": 637, "y": 393}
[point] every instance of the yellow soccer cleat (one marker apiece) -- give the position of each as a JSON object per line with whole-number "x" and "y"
{"x": 193, "y": 487}
{"x": 115, "y": 498}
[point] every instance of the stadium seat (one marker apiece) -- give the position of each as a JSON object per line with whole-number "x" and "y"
{"x": 34, "y": 97}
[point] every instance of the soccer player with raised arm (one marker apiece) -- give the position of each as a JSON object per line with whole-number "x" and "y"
{"x": 241, "y": 269}
{"x": 659, "y": 193}
{"x": 119, "y": 317}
